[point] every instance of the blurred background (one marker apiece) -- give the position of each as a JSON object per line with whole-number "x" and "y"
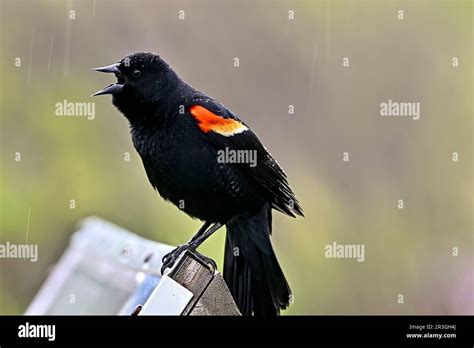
{"x": 282, "y": 61}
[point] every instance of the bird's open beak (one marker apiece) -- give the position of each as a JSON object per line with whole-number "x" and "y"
{"x": 114, "y": 88}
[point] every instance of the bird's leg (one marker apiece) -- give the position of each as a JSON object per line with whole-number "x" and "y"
{"x": 197, "y": 240}
{"x": 198, "y": 234}
{"x": 203, "y": 233}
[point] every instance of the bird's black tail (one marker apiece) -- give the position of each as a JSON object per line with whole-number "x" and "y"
{"x": 251, "y": 269}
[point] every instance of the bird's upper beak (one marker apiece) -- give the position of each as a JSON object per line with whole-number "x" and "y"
{"x": 113, "y": 88}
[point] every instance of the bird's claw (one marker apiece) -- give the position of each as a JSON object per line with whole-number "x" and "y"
{"x": 208, "y": 261}
{"x": 213, "y": 265}
{"x": 169, "y": 259}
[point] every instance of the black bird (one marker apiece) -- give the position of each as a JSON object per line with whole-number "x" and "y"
{"x": 205, "y": 160}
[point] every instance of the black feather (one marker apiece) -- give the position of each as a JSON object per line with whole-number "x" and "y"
{"x": 267, "y": 172}
{"x": 251, "y": 268}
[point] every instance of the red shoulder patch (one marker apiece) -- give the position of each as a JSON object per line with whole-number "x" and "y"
{"x": 209, "y": 121}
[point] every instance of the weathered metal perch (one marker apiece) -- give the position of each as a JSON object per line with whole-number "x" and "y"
{"x": 108, "y": 270}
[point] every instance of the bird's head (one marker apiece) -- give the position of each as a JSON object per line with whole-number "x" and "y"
{"x": 143, "y": 81}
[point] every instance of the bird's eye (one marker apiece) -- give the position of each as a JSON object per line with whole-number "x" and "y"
{"x": 136, "y": 73}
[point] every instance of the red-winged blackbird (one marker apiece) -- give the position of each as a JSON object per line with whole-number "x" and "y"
{"x": 192, "y": 148}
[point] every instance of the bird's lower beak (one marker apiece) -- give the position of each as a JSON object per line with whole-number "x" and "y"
{"x": 113, "y": 88}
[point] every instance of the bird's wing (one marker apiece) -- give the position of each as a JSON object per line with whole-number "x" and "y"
{"x": 223, "y": 129}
